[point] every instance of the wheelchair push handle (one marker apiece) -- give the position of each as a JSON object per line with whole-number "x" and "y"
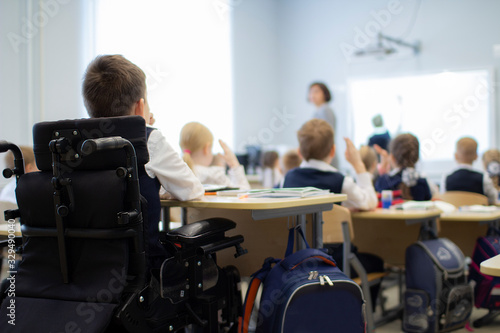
{"x": 92, "y": 145}
{"x": 18, "y": 159}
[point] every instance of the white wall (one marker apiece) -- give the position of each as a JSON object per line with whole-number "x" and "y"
{"x": 455, "y": 35}
{"x": 255, "y": 63}
{"x": 44, "y": 47}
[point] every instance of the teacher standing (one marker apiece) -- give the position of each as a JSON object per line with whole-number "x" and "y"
{"x": 320, "y": 96}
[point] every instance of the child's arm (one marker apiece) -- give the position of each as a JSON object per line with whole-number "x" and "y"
{"x": 236, "y": 171}
{"x": 360, "y": 195}
{"x": 172, "y": 172}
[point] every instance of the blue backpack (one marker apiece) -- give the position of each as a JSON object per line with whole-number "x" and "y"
{"x": 304, "y": 292}
{"x": 438, "y": 297}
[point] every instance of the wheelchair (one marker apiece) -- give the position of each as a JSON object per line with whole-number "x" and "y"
{"x": 84, "y": 247}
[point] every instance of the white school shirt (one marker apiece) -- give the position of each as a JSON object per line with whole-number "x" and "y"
{"x": 360, "y": 194}
{"x": 8, "y": 193}
{"x": 173, "y": 173}
{"x": 489, "y": 189}
{"x": 216, "y": 175}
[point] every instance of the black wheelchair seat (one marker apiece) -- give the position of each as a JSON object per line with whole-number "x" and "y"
{"x": 84, "y": 244}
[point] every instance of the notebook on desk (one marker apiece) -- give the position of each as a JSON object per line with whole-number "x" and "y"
{"x": 292, "y": 192}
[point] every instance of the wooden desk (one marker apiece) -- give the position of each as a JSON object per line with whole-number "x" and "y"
{"x": 491, "y": 266}
{"x": 463, "y": 227}
{"x": 388, "y": 232}
{"x": 262, "y": 221}
{"x": 4, "y": 230}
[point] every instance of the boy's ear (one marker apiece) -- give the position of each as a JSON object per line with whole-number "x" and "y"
{"x": 332, "y": 151}
{"x": 139, "y": 108}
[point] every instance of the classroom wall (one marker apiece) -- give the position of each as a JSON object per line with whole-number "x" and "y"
{"x": 44, "y": 47}
{"x": 255, "y": 62}
{"x": 455, "y": 35}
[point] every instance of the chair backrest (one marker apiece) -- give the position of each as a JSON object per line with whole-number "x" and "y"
{"x": 5, "y": 205}
{"x": 332, "y": 227}
{"x": 461, "y": 198}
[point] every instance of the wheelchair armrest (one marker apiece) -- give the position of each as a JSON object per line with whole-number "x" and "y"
{"x": 201, "y": 232}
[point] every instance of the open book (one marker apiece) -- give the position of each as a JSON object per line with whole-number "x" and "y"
{"x": 291, "y": 192}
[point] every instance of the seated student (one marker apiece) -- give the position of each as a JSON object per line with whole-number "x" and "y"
{"x": 8, "y": 193}
{"x": 404, "y": 154}
{"x": 491, "y": 162}
{"x": 271, "y": 173}
{"x": 464, "y": 177}
{"x": 290, "y": 160}
{"x": 318, "y": 149}
{"x": 196, "y": 142}
{"x": 369, "y": 158}
{"x": 113, "y": 86}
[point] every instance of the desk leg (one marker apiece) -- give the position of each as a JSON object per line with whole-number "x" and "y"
{"x": 165, "y": 218}
{"x": 184, "y": 215}
{"x": 301, "y": 220}
{"x": 317, "y": 230}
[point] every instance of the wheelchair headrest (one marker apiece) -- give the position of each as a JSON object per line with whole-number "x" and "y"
{"x": 132, "y": 128}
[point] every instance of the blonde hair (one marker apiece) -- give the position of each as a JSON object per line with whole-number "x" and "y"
{"x": 368, "y": 156}
{"x": 194, "y": 137}
{"x": 492, "y": 155}
{"x": 315, "y": 139}
{"x": 28, "y": 157}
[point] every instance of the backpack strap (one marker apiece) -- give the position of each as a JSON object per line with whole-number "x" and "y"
{"x": 257, "y": 279}
{"x": 291, "y": 239}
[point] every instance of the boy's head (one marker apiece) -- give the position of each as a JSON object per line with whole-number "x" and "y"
{"x": 290, "y": 160}
{"x": 466, "y": 151}
{"x": 405, "y": 150}
{"x": 316, "y": 140}
{"x": 369, "y": 158}
{"x": 113, "y": 86}
{"x": 28, "y": 157}
{"x": 270, "y": 159}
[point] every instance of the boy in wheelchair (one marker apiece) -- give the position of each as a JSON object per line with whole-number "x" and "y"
{"x": 82, "y": 223}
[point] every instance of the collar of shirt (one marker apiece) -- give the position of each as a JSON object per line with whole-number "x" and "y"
{"x": 394, "y": 172}
{"x": 379, "y": 130}
{"x": 465, "y": 166}
{"x": 318, "y": 165}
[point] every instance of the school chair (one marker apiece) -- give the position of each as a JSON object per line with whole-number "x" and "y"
{"x": 84, "y": 224}
{"x": 338, "y": 229}
{"x": 462, "y": 198}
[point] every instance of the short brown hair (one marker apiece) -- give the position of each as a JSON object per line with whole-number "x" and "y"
{"x": 405, "y": 149}
{"x": 324, "y": 89}
{"x": 466, "y": 150}
{"x": 315, "y": 139}
{"x": 291, "y": 160}
{"x": 269, "y": 159}
{"x": 111, "y": 86}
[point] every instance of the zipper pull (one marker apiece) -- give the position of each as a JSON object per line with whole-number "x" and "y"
{"x": 321, "y": 280}
{"x": 311, "y": 275}
{"x": 315, "y": 274}
{"x": 328, "y": 280}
